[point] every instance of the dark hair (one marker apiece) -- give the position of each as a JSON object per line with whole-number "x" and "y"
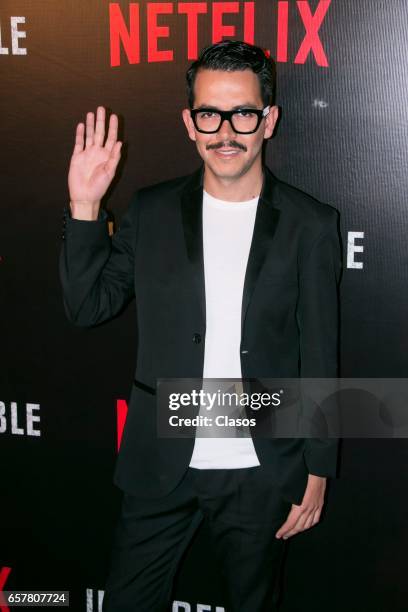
{"x": 234, "y": 55}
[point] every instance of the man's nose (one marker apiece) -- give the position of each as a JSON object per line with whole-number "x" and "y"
{"x": 226, "y": 129}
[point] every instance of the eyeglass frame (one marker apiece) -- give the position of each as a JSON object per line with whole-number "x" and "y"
{"x": 227, "y": 116}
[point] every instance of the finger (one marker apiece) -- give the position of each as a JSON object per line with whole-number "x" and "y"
{"x": 89, "y": 140}
{"x": 113, "y": 160}
{"x": 112, "y": 133}
{"x": 316, "y": 516}
{"x": 294, "y": 528}
{"x": 306, "y": 521}
{"x": 309, "y": 522}
{"x": 291, "y": 527}
{"x": 287, "y": 525}
{"x": 79, "y": 138}
{"x": 100, "y": 126}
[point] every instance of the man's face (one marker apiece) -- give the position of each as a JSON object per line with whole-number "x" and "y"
{"x": 226, "y": 154}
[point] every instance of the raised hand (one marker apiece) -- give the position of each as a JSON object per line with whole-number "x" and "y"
{"x": 93, "y": 164}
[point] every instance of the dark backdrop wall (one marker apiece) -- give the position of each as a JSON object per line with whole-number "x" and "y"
{"x": 342, "y": 83}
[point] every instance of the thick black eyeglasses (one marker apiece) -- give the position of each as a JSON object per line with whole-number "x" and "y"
{"x": 242, "y": 120}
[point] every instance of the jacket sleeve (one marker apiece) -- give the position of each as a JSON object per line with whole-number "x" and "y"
{"x": 97, "y": 271}
{"x": 317, "y": 315}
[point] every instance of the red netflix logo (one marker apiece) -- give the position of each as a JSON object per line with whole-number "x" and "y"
{"x": 125, "y": 29}
{"x": 4, "y": 574}
{"x": 121, "y": 414}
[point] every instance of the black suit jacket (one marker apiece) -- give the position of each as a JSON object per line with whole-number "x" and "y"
{"x": 289, "y": 314}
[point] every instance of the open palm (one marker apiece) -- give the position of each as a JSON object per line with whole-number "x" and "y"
{"x": 93, "y": 163}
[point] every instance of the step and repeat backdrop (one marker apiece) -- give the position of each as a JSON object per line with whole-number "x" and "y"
{"x": 342, "y": 71}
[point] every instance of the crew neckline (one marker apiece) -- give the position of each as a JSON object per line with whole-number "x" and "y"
{"x": 216, "y": 202}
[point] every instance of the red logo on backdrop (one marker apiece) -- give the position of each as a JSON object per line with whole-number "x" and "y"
{"x": 121, "y": 414}
{"x": 125, "y": 29}
{"x": 4, "y": 574}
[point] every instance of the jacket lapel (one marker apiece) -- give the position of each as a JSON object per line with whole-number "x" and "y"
{"x": 192, "y": 219}
{"x": 266, "y": 221}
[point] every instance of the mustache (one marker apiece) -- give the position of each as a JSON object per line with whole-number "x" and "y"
{"x": 231, "y": 144}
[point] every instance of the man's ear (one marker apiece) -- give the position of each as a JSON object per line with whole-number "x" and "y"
{"x": 188, "y": 122}
{"x": 271, "y": 120}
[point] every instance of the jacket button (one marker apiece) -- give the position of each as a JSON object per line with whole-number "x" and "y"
{"x": 196, "y": 338}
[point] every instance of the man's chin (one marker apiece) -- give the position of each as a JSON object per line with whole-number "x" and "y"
{"x": 226, "y": 172}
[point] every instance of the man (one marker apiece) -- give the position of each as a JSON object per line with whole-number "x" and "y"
{"x": 235, "y": 275}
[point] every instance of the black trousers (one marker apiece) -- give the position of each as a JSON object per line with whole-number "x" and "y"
{"x": 244, "y": 511}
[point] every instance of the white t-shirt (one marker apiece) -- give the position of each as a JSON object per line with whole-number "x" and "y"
{"x": 227, "y": 236}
